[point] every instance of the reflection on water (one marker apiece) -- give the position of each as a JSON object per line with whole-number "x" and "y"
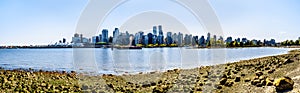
{"x": 126, "y": 61}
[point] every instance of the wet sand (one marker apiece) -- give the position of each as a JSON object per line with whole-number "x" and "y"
{"x": 247, "y": 76}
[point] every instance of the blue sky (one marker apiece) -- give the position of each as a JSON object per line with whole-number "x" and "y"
{"x": 26, "y": 22}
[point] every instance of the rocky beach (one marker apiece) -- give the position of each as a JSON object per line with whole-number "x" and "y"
{"x": 262, "y": 75}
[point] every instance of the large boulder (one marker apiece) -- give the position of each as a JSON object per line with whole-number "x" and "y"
{"x": 284, "y": 84}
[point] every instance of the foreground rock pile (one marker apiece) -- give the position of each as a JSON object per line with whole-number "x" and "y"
{"x": 256, "y": 74}
{"x": 39, "y": 81}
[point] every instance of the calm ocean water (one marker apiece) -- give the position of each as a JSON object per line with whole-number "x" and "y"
{"x": 129, "y": 61}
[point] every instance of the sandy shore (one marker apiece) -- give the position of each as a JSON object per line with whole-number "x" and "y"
{"x": 248, "y": 76}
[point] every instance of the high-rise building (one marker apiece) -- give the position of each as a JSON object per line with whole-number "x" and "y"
{"x": 215, "y": 38}
{"x": 160, "y": 30}
{"x": 175, "y": 38}
{"x": 146, "y": 40}
{"x": 81, "y": 38}
{"x": 76, "y": 35}
{"x": 150, "y": 38}
{"x": 202, "y": 41}
{"x": 169, "y": 38}
{"x": 160, "y": 39}
{"x": 94, "y": 39}
{"x": 64, "y": 40}
{"x": 208, "y": 38}
{"x": 180, "y": 39}
{"x": 105, "y": 35}
{"x": 116, "y": 34}
{"x": 154, "y": 30}
{"x": 194, "y": 40}
{"x": 76, "y": 38}
{"x": 100, "y": 38}
{"x": 187, "y": 39}
{"x": 136, "y": 38}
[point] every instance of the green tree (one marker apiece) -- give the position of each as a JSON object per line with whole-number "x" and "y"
{"x": 297, "y": 42}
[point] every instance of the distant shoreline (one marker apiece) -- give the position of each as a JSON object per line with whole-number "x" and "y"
{"x": 57, "y": 47}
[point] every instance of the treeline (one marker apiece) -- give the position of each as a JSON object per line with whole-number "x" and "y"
{"x": 244, "y": 44}
{"x": 290, "y": 42}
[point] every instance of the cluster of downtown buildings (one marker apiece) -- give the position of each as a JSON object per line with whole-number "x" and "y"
{"x": 157, "y": 39}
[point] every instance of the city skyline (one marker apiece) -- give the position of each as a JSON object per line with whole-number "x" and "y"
{"x": 43, "y": 22}
{"x": 156, "y": 38}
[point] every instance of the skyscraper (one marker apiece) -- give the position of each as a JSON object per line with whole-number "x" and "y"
{"x": 169, "y": 38}
{"x": 116, "y": 35}
{"x": 161, "y": 35}
{"x": 154, "y": 30}
{"x": 81, "y": 38}
{"x": 100, "y": 38}
{"x": 105, "y": 35}
{"x": 160, "y": 30}
{"x": 64, "y": 40}
{"x": 116, "y": 32}
{"x": 150, "y": 38}
{"x": 208, "y": 38}
{"x": 202, "y": 41}
{"x": 180, "y": 39}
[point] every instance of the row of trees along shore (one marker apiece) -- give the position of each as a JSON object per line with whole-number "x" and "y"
{"x": 290, "y": 42}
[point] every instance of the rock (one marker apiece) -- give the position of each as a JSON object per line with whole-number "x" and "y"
{"x": 237, "y": 79}
{"x": 284, "y": 84}
{"x": 229, "y": 83}
{"x": 267, "y": 68}
{"x": 223, "y": 81}
{"x": 218, "y": 86}
{"x": 201, "y": 84}
{"x": 43, "y": 84}
{"x": 271, "y": 71}
{"x": 243, "y": 75}
{"x": 263, "y": 82}
{"x": 258, "y": 73}
{"x": 255, "y": 82}
{"x": 262, "y": 78}
{"x": 247, "y": 79}
{"x": 288, "y": 61}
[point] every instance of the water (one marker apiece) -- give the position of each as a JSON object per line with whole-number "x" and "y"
{"x": 106, "y": 61}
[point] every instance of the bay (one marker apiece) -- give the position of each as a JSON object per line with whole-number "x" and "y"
{"x": 107, "y": 61}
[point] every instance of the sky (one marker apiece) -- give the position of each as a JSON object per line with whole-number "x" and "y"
{"x": 43, "y": 22}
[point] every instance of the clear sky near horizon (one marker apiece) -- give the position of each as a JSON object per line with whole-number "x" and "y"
{"x": 31, "y": 22}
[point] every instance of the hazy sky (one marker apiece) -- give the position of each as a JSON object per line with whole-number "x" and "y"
{"x": 26, "y": 22}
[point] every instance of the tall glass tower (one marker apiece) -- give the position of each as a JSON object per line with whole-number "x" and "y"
{"x": 105, "y": 35}
{"x": 154, "y": 30}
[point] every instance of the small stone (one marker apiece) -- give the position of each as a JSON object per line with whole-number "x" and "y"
{"x": 243, "y": 75}
{"x": 255, "y": 82}
{"x": 223, "y": 81}
{"x": 237, "y": 79}
{"x": 262, "y": 78}
{"x": 284, "y": 84}
{"x": 229, "y": 83}
{"x": 258, "y": 73}
{"x": 43, "y": 84}
{"x": 201, "y": 84}
{"x": 247, "y": 79}
{"x": 218, "y": 86}
{"x": 267, "y": 68}
{"x": 271, "y": 71}
{"x": 288, "y": 61}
